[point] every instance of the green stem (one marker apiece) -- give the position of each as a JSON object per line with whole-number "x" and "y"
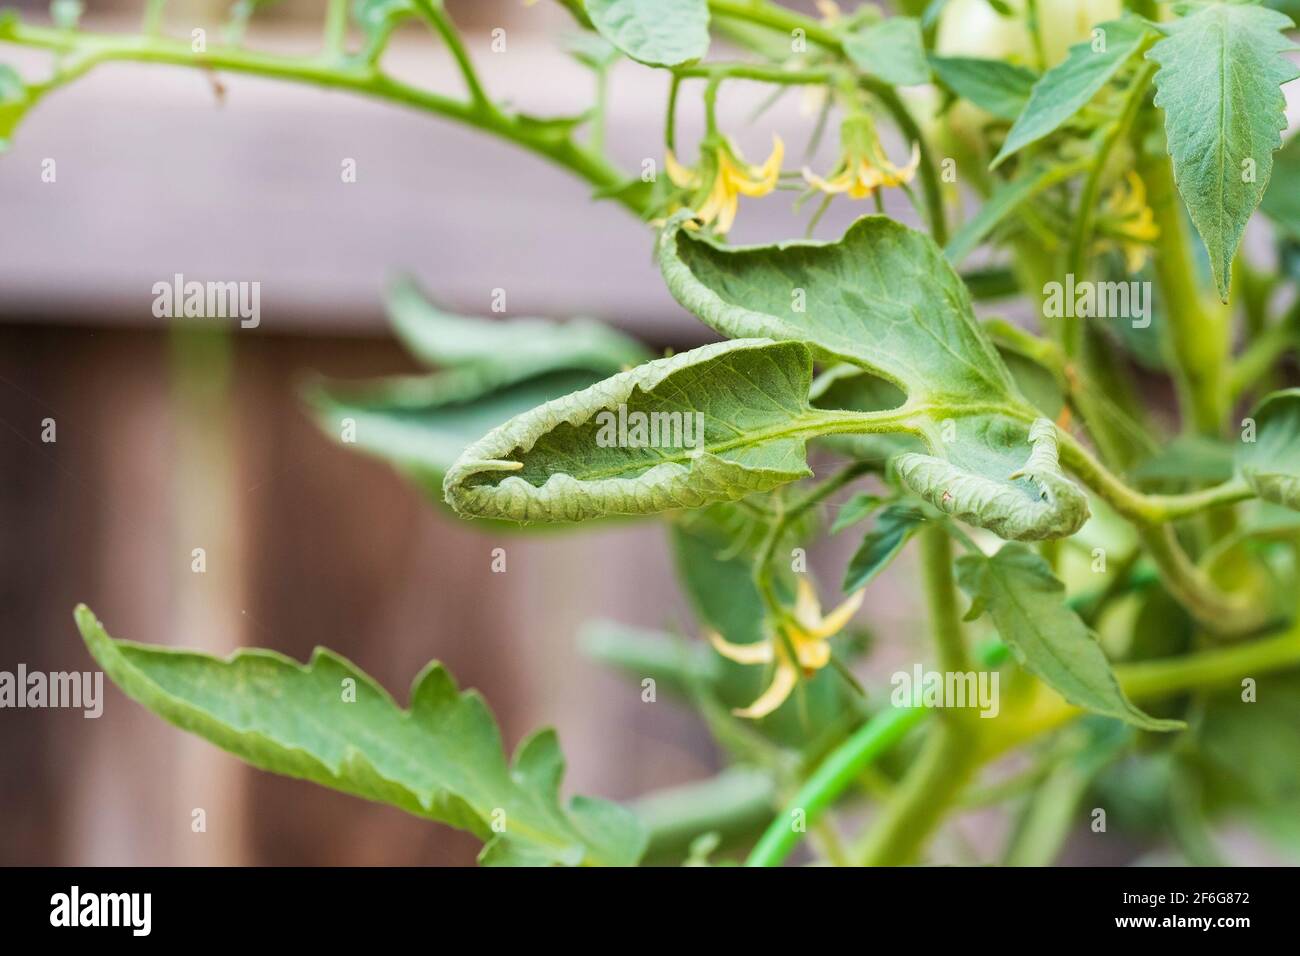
{"x": 1090, "y": 194}
{"x": 948, "y": 759}
{"x": 832, "y": 777}
{"x": 787, "y": 516}
{"x": 670, "y": 115}
{"x": 1197, "y": 329}
{"x": 437, "y": 18}
{"x": 776, "y": 18}
{"x": 1193, "y": 589}
{"x": 89, "y": 50}
{"x": 1211, "y": 669}
{"x": 336, "y": 28}
{"x": 929, "y": 173}
{"x": 1156, "y": 680}
{"x": 758, "y": 72}
{"x": 933, "y": 783}
{"x": 736, "y": 804}
{"x": 1142, "y": 508}
{"x": 1262, "y": 354}
{"x": 1146, "y": 680}
{"x": 153, "y": 14}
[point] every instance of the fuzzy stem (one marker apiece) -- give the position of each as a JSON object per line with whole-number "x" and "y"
{"x": 835, "y": 774}
{"x": 88, "y": 50}
{"x": 1198, "y": 329}
{"x": 947, "y": 761}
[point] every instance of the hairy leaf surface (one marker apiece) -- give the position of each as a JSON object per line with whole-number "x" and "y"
{"x": 989, "y": 481}
{"x": 421, "y": 424}
{"x": 1219, "y": 83}
{"x": 884, "y": 299}
{"x": 556, "y": 462}
{"x": 892, "y": 50}
{"x": 657, "y": 32}
{"x": 442, "y": 758}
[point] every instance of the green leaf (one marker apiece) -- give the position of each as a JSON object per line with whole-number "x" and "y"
{"x": 1271, "y": 463}
{"x": 1281, "y": 202}
{"x": 734, "y": 807}
{"x": 677, "y": 667}
{"x": 894, "y": 527}
{"x": 999, "y": 88}
{"x": 1221, "y": 69}
{"x": 592, "y": 51}
{"x": 66, "y": 14}
{"x": 441, "y": 759}
{"x": 1251, "y": 752}
{"x": 421, "y": 424}
{"x": 492, "y": 371}
{"x": 987, "y": 481}
{"x": 1027, "y": 604}
{"x": 858, "y": 508}
{"x": 1188, "y": 458}
{"x": 884, "y": 299}
{"x": 734, "y": 417}
{"x": 379, "y": 16}
{"x": 892, "y": 50}
{"x": 656, "y": 32}
{"x": 15, "y": 101}
{"x": 507, "y": 350}
{"x": 1070, "y": 86}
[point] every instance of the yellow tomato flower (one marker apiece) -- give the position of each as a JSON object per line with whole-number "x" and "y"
{"x": 863, "y": 167}
{"x": 1127, "y": 217}
{"x": 722, "y": 178}
{"x": 829, "y": 10}
{"x": 807, "y": 633}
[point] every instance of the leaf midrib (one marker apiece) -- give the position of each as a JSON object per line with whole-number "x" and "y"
{"x": 815, "y": 422}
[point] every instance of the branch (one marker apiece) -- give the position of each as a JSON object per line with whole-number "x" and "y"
{"x": 433, "y": 13}
{"x": 1142, "y": 508}
{"x": 84, "y": 51}
{"x": 948, "y": 759}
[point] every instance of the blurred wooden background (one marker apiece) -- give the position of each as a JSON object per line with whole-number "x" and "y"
{"x": 309, "y": 544}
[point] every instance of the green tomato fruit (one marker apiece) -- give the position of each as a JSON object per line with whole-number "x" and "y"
{"x": 974, "y": 28}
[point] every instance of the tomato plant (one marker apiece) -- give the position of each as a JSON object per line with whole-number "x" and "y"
{"x": 1110, "y": 597}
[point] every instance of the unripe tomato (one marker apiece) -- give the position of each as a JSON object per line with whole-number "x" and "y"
{"x": 974, "y": 28}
